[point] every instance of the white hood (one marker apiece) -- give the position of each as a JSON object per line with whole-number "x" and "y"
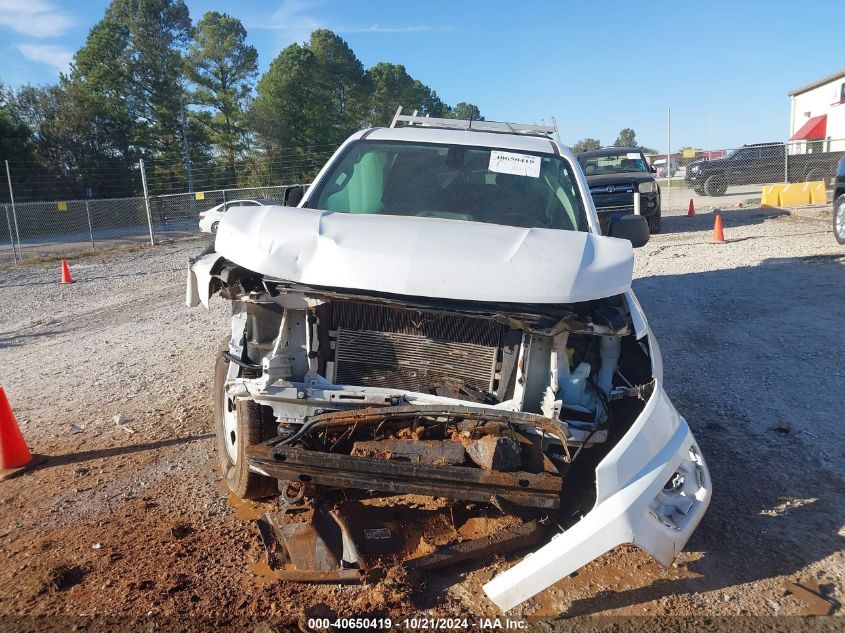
{"x": 425, "y": 257}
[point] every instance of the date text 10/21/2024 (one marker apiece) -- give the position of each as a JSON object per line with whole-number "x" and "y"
{"x": 418, "y": 623}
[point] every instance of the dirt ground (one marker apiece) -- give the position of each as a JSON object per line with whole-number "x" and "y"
{"x": 130, "y": 521}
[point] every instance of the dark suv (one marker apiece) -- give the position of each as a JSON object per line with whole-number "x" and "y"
{"x": 614, "y": 175}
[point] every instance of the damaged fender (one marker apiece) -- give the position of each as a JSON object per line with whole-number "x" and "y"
{"x": 198, "y": 289}
{"x": 653, "y": 489}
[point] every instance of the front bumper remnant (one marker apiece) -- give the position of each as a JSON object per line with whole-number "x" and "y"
{"x": 657, "y": 510}
{"x": 541, "y": 490}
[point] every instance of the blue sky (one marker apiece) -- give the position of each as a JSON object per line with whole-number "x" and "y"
{"x": 597, "y": 67}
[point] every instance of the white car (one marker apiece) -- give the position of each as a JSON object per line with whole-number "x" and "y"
{"x": 440, "y": 315}
{"x": 660, "y": 166}
{"x": 210, "y": 219}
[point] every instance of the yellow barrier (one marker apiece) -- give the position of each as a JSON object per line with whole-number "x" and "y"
{"x": 818, "y": 192}
{"x": 770, "y": 196}
{"x": 796, "y": 194}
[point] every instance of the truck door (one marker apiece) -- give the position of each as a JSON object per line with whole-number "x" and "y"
{"x": 771, "y": 163}
{"x": 742, "y": 165}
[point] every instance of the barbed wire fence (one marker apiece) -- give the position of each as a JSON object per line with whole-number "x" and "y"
{"x": 47, "y": 213}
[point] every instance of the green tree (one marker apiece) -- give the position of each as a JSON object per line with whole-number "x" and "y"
{"x": 341, "y": 85}
{"x": 222, "y": 66}
{"x": 15, "y": 135}
{"x": 101, "y": 82}
{"x": 466, "y": 112}
{"x": 284, "y": 96}
{"x": 158, "y": 30}
{"x": 310, "y": 99}
{"x": 391, "y": 86}
{"x": 627, "y": 138}
{"x": 586, "y": 144}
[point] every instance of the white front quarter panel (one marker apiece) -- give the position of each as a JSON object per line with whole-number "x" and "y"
{"x": 632, "y": 505}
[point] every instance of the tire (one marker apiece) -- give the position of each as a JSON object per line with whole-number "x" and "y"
{"x": 237, "y": 428}
{"x": 715, "y": 185}
{"x": 654, "y": 223}
{"x": 214, "y": 228}
{"x": 839, "y": 219}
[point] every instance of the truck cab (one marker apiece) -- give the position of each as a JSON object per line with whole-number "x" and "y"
{"x": 440, "y": 315}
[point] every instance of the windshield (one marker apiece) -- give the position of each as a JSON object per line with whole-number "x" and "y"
{"x": 624, "y": 162}
{"x": 455, "y": 182}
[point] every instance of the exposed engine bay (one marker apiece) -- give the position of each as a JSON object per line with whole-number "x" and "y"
{"x": 504, "y": 409}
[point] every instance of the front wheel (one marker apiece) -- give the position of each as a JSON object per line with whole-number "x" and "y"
{"x": 839, "y": 219}
{"x": 715, "y": 185}
{"x": 239, "y": 424}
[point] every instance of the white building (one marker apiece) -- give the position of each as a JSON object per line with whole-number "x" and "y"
{"x": 817, "y": 116}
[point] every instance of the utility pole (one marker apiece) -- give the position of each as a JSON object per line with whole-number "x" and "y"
{"x": 669, "y": 147}
{"x": 186, "y": 155}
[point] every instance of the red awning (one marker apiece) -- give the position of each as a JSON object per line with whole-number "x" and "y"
{"x": 816, "y": 127}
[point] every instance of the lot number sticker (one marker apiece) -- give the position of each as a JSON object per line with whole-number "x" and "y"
{"x": 516, "y": 164}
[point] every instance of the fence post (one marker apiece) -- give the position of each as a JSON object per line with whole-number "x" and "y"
{"x": 90, "y": 228}
{"x": 11, "y": 235}
{"x": 14, "y": 213}
{"x": 147, "y": 201}
{"x": 786, "y": 162}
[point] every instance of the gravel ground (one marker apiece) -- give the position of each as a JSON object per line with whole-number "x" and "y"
{"x": 131, "y": 521}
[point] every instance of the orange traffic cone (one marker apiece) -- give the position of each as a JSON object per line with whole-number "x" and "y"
{"x": 66, "y": 278}
{"x": 14, "y": 454}
{"x": 691, "y": 211}
{"x": 718, "y": 232}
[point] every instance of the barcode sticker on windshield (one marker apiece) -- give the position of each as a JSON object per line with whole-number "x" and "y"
{"x": 633, "y": 155}
{"x": 516, "y": 164}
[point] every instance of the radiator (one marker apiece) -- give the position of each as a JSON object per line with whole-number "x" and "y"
{"x": 406, "y": 349}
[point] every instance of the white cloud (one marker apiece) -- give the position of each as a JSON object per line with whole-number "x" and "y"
{"x": 36, "y": 18}
{"x": 294, "y": 21}
{"x": 53, "y": 55}
{"x": 377, "y": 28}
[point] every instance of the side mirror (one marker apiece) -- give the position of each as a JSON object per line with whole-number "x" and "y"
{"x": 652, "y": 169}
{"x": 633, "y": 228}
{"x": 293, "y": 195}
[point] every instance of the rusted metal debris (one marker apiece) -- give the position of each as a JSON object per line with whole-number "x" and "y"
{"x": 541, "y": 490}
{"x": 324, "y": 549}
{"x": 505, "y": 540}
{"x": 432, "y": 452}
{"x": 374, "y": 416}
{"x": 315, "y": 551}
{"x": 810, "y": 594}
{"x": 496, "y": 453}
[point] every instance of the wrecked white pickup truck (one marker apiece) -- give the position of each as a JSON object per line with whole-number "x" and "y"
{"x": 439, "y": 319}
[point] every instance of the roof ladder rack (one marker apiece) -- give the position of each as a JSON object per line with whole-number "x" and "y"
{"x": 477, "y": 126}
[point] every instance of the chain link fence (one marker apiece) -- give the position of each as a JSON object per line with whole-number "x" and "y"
{"x": 41, "y": 223}
{"x": 735, "y": 177}
{"x": 29, "y": 230}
